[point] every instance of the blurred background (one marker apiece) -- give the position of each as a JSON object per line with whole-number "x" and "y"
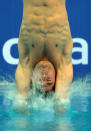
{"x": 79, "y": 16}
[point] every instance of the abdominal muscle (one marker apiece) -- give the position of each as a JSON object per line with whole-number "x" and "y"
{"x": 44, "y": 20}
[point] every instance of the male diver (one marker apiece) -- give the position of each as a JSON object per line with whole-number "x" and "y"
{"x": 45, "y": 33}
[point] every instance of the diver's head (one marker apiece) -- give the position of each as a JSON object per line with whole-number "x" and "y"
{"x": 43, "y": 75}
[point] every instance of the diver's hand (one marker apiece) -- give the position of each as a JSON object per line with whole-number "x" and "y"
{"x": 59, "y": 109}
{"x": 20, "y": 104}
{"x": 61, "y": 106}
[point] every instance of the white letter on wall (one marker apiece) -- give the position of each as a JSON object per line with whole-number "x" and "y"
{"x": 6, "y": 51}
{"x": 83, "y": 50}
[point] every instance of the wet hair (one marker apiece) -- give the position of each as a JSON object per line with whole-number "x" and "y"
{"x": 44, "y": 75}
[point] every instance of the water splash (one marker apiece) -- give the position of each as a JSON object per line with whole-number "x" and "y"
{"x": 79, "y": 96}
{"x": 40, "y": 113}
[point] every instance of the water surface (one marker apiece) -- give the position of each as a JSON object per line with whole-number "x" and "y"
{"x": 40, "y": 114}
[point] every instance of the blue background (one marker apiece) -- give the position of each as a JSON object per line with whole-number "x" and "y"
{"x": 10, "y": 20}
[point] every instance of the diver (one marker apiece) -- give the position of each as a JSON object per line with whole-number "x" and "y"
{"x": 45, "y": 36}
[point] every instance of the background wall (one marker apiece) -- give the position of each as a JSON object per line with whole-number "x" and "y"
{"x": 79, "y": 15}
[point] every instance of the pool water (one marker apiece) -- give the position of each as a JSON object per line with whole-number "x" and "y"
{"x": 40, "y": 114}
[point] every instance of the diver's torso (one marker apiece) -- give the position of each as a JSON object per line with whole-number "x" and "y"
{"x": 44, "y": 17}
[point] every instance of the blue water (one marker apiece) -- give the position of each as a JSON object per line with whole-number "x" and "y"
{"x": 40, "y": 114}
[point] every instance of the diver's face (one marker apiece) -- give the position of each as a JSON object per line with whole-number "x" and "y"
{"x": 47, "y": 77}
{"x": 44, "y": 73}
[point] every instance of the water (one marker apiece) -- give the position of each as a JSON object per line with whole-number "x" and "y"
{"x": 40, "y": 114}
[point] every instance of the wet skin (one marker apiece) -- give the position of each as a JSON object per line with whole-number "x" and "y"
{"x": 45, "y": 32}
{"x": 43, "y": 76}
